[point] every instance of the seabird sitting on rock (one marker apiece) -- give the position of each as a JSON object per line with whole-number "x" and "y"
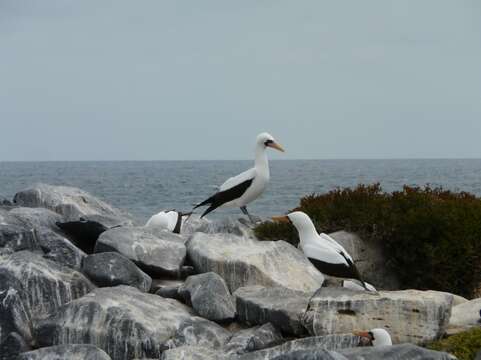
{"x": 170, "y": 220}
{"x": 240, "y": 190}
{"x": 374, "y": 337}
{"x": 325, "y": 253}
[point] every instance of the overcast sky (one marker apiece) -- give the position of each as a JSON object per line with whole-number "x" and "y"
{"x": 152, "y": 79}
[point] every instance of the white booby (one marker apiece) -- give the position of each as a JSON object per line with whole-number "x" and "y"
{"x": 325, "y": 253}
{"x": 240, "y": 190}
{"x": 170, "y": 220}
{"x": 375, "y": 337}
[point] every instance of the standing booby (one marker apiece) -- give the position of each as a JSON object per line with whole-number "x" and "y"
{"x": 240, "y": 190}
{"x": 325, "y": 253}
{"x": 170, "y": 220}
{"x": 375, "y": 337}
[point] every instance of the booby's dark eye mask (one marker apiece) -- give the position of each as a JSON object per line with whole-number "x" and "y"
{"x": 268, "y": 142}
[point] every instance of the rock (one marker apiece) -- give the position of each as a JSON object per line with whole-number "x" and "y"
{"x": 12, "y": 346}
{"x": 15, "y": 315}
{"x": 252, "y": 339}
{"x": 4, "y": 201}
{"x": 48, "y": 285}
{"x": 242, "y": 261}
{"x": 70, "y": 202}
{"x": 36, "y": 218}
{"x": 167, "y": 288}
{"x": 318, "y": 347}
{"x": 111, "y": 268}
{"x": 17, "y": 238}
{"x": 63, "y": 352}
{"x": 127, "y": 323}
{"x": 192, "y": 353}
{"x": 84, "y": 233}
{"x": 466, "y": 315}
{"x": 369, "y": 260}
{"x": 457, "y": 300}
{"x": 209, "y": 296}
{"x": 154, "y": 255}
{"x": 395, "y": 352}
{"x": 409, "y": 316}
{"x": 280, "y": 306}
{"x": 226, "y": 225}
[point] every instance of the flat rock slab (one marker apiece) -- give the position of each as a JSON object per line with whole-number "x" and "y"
{"x": 47, "y": 285}
{"x": 64, "y": 352}
{"x": 156, "y": 256}
{"x": 111, "y": 269}
{"x": 282, "y": 307}
{"x": 466, "y": 314}
{"x": 243, "y": 261}
{"x": 209, "y": 296}
{"x": 70, "y": 202}
{"x": 193, "y": 353}
{"x": 395, "y": 352}
{"x": 127, "y": 324}
{"x": 409, "y": 316}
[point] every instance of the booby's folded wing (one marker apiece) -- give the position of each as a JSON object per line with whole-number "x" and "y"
{"x": 324, "y": 254}
{"x": 238, "y": 179}
{"x": 335, "y": 245}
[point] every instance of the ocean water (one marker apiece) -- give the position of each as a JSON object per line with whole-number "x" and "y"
{"x": 146, "y": 187}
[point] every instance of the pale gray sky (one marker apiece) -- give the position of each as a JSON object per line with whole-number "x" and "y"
{"x": 152, "y": 79}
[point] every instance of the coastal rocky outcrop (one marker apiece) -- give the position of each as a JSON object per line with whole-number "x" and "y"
{"x": 398, "y": 352}
{"x": 410, "y": 315}
{"x": 252, "y": 339}
{"x": 111, "y": 268}
{"x": 243, "y": 261}
{"x": 155, "y": 255}
{"x": 197, "y": 291}
{"x": 12, "y": 346}
{"x": 63, "y": 352}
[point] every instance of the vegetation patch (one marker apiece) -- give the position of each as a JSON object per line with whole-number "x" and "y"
{"x": 431, "y": 237}
{"x": 464, "y": 345}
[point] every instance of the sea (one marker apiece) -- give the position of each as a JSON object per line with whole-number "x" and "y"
{"x": 145, "y": 187}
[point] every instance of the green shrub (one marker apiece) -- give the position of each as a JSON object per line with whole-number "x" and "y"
{"x": 431, "y": 237}
{"x": 464, "y": 345}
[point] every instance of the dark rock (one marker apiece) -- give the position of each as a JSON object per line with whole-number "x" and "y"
{"x": 192, "y": 353}
{"x": 243, "y": 261}
{"x": 126, "y": 323}
{"x": 252, "y": 339}
{"x": 280, "y": 306}
{"x": 84, "y": 233}
{"x": 15, "y": 315}
{"x": 170, "y": 292}
{"x": 48, "y": 285}
{"x": 12, "y": 346}
{"x": 395, "y": 352}
{"x": 70, "y": 202}
{"x": 154, "y": 255}
{"x": 209, "y": 296}
{"x": 66, "y": 352}
{"x": 17, "y": 238}
{"x": 111, "y": 268}
{"x": 4, "y": 201}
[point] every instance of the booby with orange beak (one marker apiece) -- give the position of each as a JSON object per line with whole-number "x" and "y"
{"x": 240, "y": 190}
{"x": 325, "y": 253}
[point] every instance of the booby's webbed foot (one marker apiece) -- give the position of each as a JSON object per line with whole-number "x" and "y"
{"x": 253, "y": 219}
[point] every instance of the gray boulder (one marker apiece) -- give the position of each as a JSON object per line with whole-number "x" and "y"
{"x": 36, "y": 218}
{"x": 369, "y": 259}
{"x": 17, "y": 238}
{"x": 70, "y": 202}
{"x": 64, "y": 352}
{"x": 192, "y": 353}
{"x": 395, "y": 352}
{"x": 282, "y": 307}
{"x": 410, "y": 315}
{"x": 466, "y": 314}
{"x": 209, "y": 296}
{"x": 252, "y": 339}
{"x": 127, "y": 323}
{"x": 167, "y": 288}
{"x": 48, "y": 285}
{"x": 111, "y": 268}
{"x": 226, "y": 225}
{"x": 267, "y": 263}
{"x": 12, "y": 346}
{"x": 154, "y": 255}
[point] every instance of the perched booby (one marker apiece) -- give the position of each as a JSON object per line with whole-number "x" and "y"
{"x": 83, "y": 232}
{"x": 240, "y": 190}
{"x": 375, "y": 337}
{"x": 170, "y": 220}
{"x": 325, "y": 253}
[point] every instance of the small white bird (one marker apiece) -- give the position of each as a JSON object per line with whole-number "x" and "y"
{"x": 375, "y": 337}
{"x": 170, "y": 220}
{"x": 325, "y": 253}
{"x": 240, "y": 190}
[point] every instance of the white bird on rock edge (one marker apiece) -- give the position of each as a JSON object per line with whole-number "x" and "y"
{"x": 240, "y": 190}
{"x": 325, "y": 253}
{"x": 170, "y": 220}
{"x": 375, "y": 337}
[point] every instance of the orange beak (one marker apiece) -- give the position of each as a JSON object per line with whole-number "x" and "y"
{"x": 276, "y": 146}
{"x": 281, "y": 219}
{"x": 362, "y": 334}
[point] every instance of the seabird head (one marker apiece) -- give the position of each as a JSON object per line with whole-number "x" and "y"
{"x": 267, "y": 140}
{"x": 375, "y": 337}
{"x": 297, "y": 218}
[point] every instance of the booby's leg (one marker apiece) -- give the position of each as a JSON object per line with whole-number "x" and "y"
{"x": 251, "y": 218}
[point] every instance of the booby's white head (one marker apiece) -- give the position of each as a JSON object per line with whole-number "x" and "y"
{"x": 302, "y": 222}
{"x": 376, "y": 337}
{"x": 265, "y": 140}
